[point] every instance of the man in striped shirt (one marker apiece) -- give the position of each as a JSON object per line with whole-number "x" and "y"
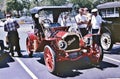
{"x": 11, "y": 27}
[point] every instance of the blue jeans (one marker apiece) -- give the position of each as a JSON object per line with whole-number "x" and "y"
{"x": 1, "y": 45}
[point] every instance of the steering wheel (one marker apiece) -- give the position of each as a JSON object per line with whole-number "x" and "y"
{"x": 46, "y": 21}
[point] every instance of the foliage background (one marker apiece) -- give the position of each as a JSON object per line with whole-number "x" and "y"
{"x": 21, "y": 5}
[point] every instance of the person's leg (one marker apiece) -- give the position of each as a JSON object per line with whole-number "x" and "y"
{"x": 17, "y": 47}
{"x": 2, "y": 45}
{"x": 96, "y": 38}
{"x": 83, "y": 31}
{"x": 11, "y": 49}
{"x": 10, "y": 43}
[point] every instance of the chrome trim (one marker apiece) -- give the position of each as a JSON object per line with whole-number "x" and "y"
{"x": 70, "y": 34}
{"x": 73, "y": 50}
{"x": 61, "y": 43}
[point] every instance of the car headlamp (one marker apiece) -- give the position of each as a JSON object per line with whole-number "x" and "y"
{"x": 62, "y": 45}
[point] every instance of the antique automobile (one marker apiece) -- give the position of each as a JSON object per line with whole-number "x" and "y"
{"x": 59, "y": 43}
{"x": 110, "y": 13}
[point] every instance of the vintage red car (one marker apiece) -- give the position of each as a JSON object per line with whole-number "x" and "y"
{"x": 59, "y": 43}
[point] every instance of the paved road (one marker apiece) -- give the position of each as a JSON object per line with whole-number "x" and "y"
{"x": 34, "y": 68}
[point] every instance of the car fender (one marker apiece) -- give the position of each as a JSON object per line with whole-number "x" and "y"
{"x": 105, "y": 29}
{"x": 32, "y": 36}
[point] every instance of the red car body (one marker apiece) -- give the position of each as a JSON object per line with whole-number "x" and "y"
{"x": 61, "y": 45}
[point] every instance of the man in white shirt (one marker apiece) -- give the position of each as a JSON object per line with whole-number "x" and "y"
{"x": 65, "y": 19}
{"x": 96, "y": 22}
{"x": 88, "y": 16}
{"x": 81, "y": 21}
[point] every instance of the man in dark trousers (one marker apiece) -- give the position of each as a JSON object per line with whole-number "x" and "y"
{"x": 11, "y": 27}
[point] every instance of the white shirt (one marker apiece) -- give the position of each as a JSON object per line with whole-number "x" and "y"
{"x": 88, "y": 16}
{"x": 80, "y": 18}
{"x": 65, "y": 22}
{"x": 96, "y": 21}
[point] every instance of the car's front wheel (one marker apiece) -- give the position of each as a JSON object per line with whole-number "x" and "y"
{"x": 29, "y": 47}
{"x": 106, "y": 41}
{"x": 97, "y": 54}
{"x": 50, "y": 59}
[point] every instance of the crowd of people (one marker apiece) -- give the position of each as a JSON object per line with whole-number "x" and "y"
{"x": 87, "y": 22}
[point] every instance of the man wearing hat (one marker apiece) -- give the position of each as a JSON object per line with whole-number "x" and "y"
{"x": 96, "y": 22}
{"x": 11, "y": 27}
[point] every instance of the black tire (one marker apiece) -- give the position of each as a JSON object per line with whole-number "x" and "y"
{"x": 106, "y": 41}
{"x": 48, "y": 51}
{"x": 101, "y": 55}
{"x": 30, "y": 54}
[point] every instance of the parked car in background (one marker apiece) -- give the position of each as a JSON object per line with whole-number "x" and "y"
{"x": 59, "y": 43}
{"x": 1, "y": 23}
{"x": 2, "y": 16}
{"x": 110, "y": 13}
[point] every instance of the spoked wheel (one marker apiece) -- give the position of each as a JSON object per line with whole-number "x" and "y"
{"x": 49, "y": 57}
{"x": 29, "y": 47}
{"x": 106, "y": 41}
{"x": 97, "y": 54}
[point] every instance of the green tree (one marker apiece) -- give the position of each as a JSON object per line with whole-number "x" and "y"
{"x": 52, "y": 2}
{"x": 82, "y": 3}
{"x": 26, "y": 4}
{"x": 14, "y": 5}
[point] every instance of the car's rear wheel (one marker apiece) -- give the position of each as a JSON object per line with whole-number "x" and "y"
{"x": 50, "y": 59}
{"x": 106, "y": 41}
{"x": 29, "y": 47}
{"x": 97, "y": 54}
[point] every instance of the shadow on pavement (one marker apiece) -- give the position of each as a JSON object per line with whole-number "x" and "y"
{"x": 72, "y": 68}
{"x": 41, "y": 55}
{"x": 104, "y": 65}
{"x": 114, "y": 50}
{"x": 5, "y": 59}
{"x": 35, "y": 55}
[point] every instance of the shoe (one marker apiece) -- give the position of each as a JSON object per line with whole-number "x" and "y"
{"x": 6, "y": 48}
{"x": 12, "y": 54}
{"x": 20, "y": 55}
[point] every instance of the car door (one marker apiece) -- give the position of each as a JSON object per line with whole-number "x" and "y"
{"x": 116, "y": 31}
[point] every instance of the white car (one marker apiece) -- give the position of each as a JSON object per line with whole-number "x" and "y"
{"x": 24, "y": 20}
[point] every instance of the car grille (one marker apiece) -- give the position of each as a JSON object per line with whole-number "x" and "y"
{"x": 72, "y": 42}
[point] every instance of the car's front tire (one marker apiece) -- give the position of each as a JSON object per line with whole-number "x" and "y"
{"x": 106, "y": 41}
{"x": 97, "y": 54}
{"x": 50, "y": 59}
{"x": 29, "y": 47}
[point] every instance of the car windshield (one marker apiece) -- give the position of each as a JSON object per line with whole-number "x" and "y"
{"x": 64, "y": 19}
{"x": 45, "y": 15}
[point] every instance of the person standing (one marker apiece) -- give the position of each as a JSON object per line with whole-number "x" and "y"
{"x": 65, "y": 19}
{"x": 81, "y": 21}
{"x": 88, "y": 16}
{"x": 96, "y": 22}
{"x": 11, "y": 26}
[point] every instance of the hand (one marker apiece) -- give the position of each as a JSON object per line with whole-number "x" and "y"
{"x": 98, "y": 33}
